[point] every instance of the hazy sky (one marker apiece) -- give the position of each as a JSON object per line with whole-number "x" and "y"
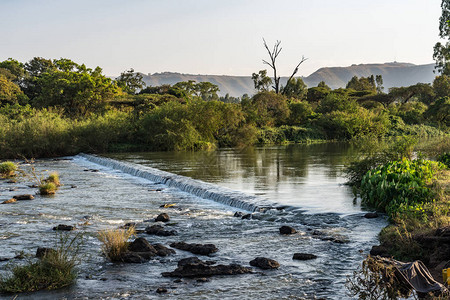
{"x": 219, "y": 36}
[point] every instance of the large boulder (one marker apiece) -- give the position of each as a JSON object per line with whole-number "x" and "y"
{"x": 264, "y": 263}
{"x": 141, "y": 245}
{"x": 201, "y": 249}
{"x": 194, "y": 267}
{"x": 162, "y": 250}
{"x": 371, "y": 215}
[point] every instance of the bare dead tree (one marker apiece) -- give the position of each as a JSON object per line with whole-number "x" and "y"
{"x": 273, "y": 54}
{"x": 273, "y": 57}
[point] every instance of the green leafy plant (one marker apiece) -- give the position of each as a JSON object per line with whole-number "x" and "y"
{"x": 399, "y": 185}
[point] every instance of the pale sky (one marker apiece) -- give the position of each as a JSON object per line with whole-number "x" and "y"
{"x": 219, "y": 37}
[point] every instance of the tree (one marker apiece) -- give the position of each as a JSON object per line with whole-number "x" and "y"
{"x": 362, "y": 84}
{"x": 273, "y": 54}
{"x": 442, "y": 51}
{"x": 130, "y": 82}
{"x": 441, "y": 86}
{"x": 15, "y": 68}
{"x": 10, "y": 92}
{"x": 76, "y": 88}
{"x": 295, "y": 88}
{"x": 261, "y": 81}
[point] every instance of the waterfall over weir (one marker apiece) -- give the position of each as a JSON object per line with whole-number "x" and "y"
{"x": 192, "y": 186}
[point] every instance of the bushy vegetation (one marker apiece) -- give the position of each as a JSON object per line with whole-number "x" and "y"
{"x": 400, "y": 187}
{"x": 115, "y": 242}
{"x": 59, "y": 107}
{"x": 56, "y": 269}
{"x": 7, "y": 169}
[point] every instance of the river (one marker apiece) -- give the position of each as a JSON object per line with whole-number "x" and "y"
{"x": 306, "y": 180}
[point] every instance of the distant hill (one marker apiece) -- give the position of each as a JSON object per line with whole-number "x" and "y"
{"x": 394, "y": 74}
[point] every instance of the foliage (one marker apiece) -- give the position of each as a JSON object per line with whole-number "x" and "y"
{"x": 336, "y": 102}
{"x": 398, "y": 185}
{"x": 269, "y": 109}
{"x": 48, "y": 188}
{"x": 261, "y": 81}
{"x": 7, "y": 169}
{"x": 316, "y": 94}
{"x": 441, "y": 86}
{"x": 439, "y": 111}
{"x": 442, "y": 51}
{"x": 443, "y": 158}
{"x": 301, "y": 113}
{"x": 375, "y": 280}
{"x": 296, "y": 88}
{"x": 362, "y": 84}
{"x": 53, "y": 271}
{"x": 115, "y": 242}
{"x": 10, "y": 92}
{"x": 410, "y": 112}
{"x": 130, "y": 82}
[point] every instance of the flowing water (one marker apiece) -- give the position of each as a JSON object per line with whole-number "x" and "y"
{"x": 303, "y": 185}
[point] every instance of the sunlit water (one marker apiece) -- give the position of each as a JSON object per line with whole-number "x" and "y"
{"x": 308, "y": 179}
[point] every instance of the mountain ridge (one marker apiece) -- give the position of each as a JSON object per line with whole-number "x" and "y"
{"x": 394, "y": 74}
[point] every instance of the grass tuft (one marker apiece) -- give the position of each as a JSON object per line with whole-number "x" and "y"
{"x": 115, "y": 242}
{"x": 7, "y": 169}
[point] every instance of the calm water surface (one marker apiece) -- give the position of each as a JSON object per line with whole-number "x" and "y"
{"x": 306, "y": 178}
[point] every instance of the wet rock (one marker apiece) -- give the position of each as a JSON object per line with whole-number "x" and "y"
{"x": 287, "y": 230}
{"x": 304, "y": 256}
{"x": 3, "y": 259}
{"x": 264, "y": 263}
{"x": 168, "y": 205}
{"x": 24, "y": 197}
{"x": 12, "y": 200}
{"x": 42, "y": 251}
{"x": 192, "y": 267}
{"x": 128, "y": 225}
{"x": 137, "y": 257}
{"x": 33, "y": 186}
{"x": 73, "y": 186}
{"x": 247, "y": 217}
{"x": 380, "y": 251}
{"x": 63, "y": 227}
{"x": 162, "y": 218}
{"x": 371, "y": 215}
{"x": 159, "y": 230}
{"x": 203, "y": 279}
{"x": 162, "y": 250}
{"x": 201, "y": 249}
{"x": 141, "y": 245}
{"x": 178, "y": 280}
{"x": 238, "y": 214}
{"x": 161, "y": 290}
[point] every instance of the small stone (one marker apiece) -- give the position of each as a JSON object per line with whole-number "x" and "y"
{"x": 12, "y": 200}
{"x": 161, "y": 290}
{"x": 264, "y": 263}
{"x": 24, "y": 197}
{"x": 63, "y": 227}
{"x": 178, "y": 280}
{"x": 304, "y": 256}
{"x": 371, "y": 215}
{"x": 42, "y": 251}
{"x": 203, "y": 279}
{"x": 287, "y": 230}
{"x": 162, "y": 218}
{"x": 247, "y": 217}
{"x": 238, "y": 214}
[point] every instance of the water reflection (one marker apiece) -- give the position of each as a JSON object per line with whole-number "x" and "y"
{"x": 306, "y": 176}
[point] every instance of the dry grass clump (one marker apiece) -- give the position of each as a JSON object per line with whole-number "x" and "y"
{"x": 115, "y": 242}
{"x": 7, "y": 169}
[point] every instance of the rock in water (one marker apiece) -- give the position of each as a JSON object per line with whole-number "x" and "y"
{"x": 159, "y": 230}
{"x": 287, "y": 230}
{"x": 201, "y": 249}
{"x": 24, "y": 197}
{"x": 264, "y": 263}
{"x": 162, "y": 250}
{"x": 194, "y": 267}
{"x": 371, "y": 215}
{"x": 63, "y": 227}
{"x": 141, "y": 245}
{"x": 304, "y": 256}
{"x": 162, "y": 218}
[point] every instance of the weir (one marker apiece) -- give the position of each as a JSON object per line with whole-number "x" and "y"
{"x": 192, "y": 186}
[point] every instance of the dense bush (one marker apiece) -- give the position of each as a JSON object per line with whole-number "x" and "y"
{"x": 399, "y": 185}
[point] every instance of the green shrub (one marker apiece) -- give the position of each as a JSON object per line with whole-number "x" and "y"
{"x": 48, "y": 188}
{"x": 53, "y": 271}
{"x": 445, "y": 159}
{"x": 7, "y": 169}
{"x": 398, "y": 185}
